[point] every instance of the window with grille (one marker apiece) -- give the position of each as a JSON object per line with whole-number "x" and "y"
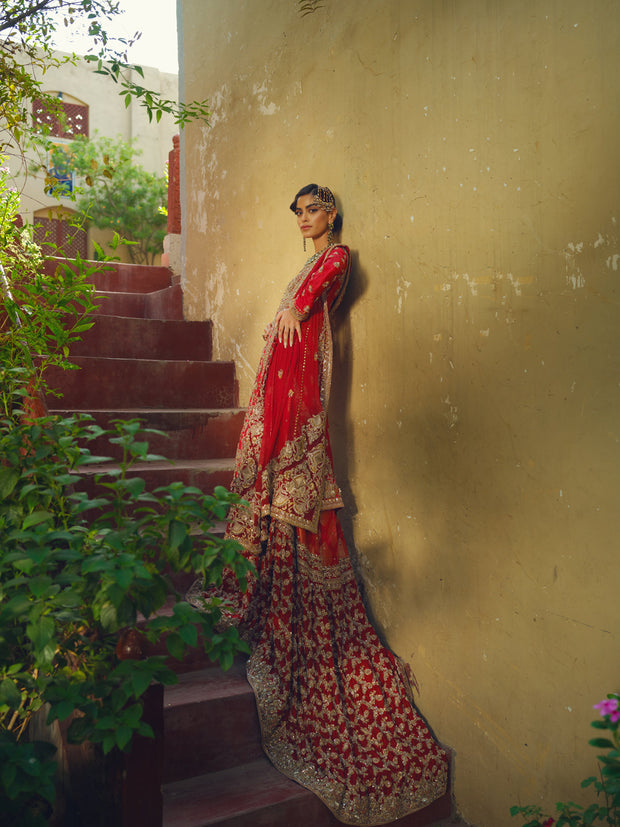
{"x": 70, "y": 240}
{"x": 64, "y": 120}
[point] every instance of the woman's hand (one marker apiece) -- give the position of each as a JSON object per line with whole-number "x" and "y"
{"x": 287, "y": 326}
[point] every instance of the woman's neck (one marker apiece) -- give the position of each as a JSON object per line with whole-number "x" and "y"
{"x": 320, "y": 245}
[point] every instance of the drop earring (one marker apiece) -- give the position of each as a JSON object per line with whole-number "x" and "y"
{"x": 304, "y": 245}
{"x": 330, "y": 233}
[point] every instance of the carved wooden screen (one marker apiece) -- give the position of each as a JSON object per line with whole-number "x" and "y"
{"x": 72, "y": 122}
{"x": 70, "y": 240}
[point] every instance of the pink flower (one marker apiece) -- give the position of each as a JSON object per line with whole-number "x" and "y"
{"x": 609, "y": 706}
{"x": 549, "y": 823}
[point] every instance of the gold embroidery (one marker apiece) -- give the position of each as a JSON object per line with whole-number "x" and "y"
{"x": 280, "y": 373}
{"x": 372, "y": 768}
{"x": 260, "y": 487}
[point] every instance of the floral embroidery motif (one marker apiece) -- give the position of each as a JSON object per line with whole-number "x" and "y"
{"x": 334, "y": 704}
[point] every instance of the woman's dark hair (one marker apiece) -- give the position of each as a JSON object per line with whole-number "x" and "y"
{"x": 312, "y": 189}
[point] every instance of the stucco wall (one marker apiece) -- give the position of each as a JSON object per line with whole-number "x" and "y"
{"x": 474, "y": 147}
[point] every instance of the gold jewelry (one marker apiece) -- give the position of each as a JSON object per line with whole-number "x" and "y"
{"x": 304, "y": 244}
{"x": 330, "y": 233}
{"x": 324, "y": 198}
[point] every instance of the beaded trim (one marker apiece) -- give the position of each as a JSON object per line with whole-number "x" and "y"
{"x": 324, "y": 198}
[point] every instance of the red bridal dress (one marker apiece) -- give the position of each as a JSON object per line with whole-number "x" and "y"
{"x": 335, "y": 705}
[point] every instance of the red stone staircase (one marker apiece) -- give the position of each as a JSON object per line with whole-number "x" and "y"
{"x": 141, "y": 359}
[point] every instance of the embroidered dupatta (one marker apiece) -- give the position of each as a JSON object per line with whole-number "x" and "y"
{"x": 284, "y": 463}
{"x": 334, "y": 703}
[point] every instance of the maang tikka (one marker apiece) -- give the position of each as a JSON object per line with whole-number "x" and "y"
{"x": 324, "y": 198}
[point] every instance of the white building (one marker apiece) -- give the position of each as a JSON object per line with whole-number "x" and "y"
{"x": 92, "y": 105}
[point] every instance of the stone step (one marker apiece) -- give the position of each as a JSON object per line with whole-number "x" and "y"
{"x": 131, "y": 338}
{"x": 132, "y": 383}
{"x": 132, "y": 278}
{"x": 205, "y": 474}
{"x": 119, "y": 277}
{"x": 165, "y": 304}
{"x": 120, "y": 304}
{"x": 159, "y": 304}
{"x": 209, "y": 433}
{"x": 257, "y": 795}
{"x": 215, "y": 771}
{"x": 251, "y": 795}
{"x": 210, "y": 722}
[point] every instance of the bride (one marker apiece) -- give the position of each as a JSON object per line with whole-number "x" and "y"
{"x": 335, "y": 705}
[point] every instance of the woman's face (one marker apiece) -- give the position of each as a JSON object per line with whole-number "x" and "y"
{"x": 312, "y": 220}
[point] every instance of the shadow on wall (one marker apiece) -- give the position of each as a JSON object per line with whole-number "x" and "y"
{"x": 453, "y": 487}
{"x": 340, "y": 419}
{"x": 340, "y": 416}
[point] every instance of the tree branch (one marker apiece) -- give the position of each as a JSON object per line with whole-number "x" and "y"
{"x": 12, "y": 22}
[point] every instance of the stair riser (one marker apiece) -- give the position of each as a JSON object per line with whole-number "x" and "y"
{"x": 210, "y": 736}
{"x": 195, "y": 658}
{"x": 187, "y": 434}
{"x": 124, "y": 278}
{"x": 305, "y": 811}
{"x": 165, "y": 304}
{"x": 206, "y": 481}
{"x": 300, "y": 812}
{"x": 110, "y": 383}
{"x": 130, "y": 338}
{"x": 161, "y": 304}
{"x": 120, "y": 304}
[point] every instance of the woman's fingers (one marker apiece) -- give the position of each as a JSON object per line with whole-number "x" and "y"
{"x": 287, "y": 326}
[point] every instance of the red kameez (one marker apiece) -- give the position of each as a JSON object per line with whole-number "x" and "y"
{"x": 334, "y": 704}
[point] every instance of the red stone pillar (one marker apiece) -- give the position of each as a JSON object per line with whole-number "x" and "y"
{"x": 174, "y": 188}
{"x": 172, "y": 242}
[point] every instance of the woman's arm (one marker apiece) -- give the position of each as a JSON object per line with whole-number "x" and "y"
{"x": 333, "y": 266}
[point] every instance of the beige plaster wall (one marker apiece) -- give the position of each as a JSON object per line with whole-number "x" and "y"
{"x": 474, "y": 147}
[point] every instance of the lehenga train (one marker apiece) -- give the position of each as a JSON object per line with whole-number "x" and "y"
{"x": 334, "y": 704}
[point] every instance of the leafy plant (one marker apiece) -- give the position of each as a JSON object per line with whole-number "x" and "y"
{"x": 118, "y": 193}
{"x": 607, "y": 784}
{"x": 26, "y": 52}
{"x": 87, "y": 554}
{"x": 42, "y": 313}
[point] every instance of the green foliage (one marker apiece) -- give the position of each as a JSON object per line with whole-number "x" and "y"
{"x": 77, "y": 568}
{"x": 26, "y": 36}
{"x": 27, "y": 773}
{"x": 86, "y": 552}
{"x": 607, "y": 784}
{"x": 40, "y": 314}
{"x": 118, "y": 193}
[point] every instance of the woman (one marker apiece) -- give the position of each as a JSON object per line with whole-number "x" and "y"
{"x": 334, "y": 703}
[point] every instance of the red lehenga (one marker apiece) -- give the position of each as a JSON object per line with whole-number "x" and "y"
{"x": 334, "y": 704}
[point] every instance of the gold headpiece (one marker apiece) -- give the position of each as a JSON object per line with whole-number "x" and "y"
{"x": 324, "y": 198}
